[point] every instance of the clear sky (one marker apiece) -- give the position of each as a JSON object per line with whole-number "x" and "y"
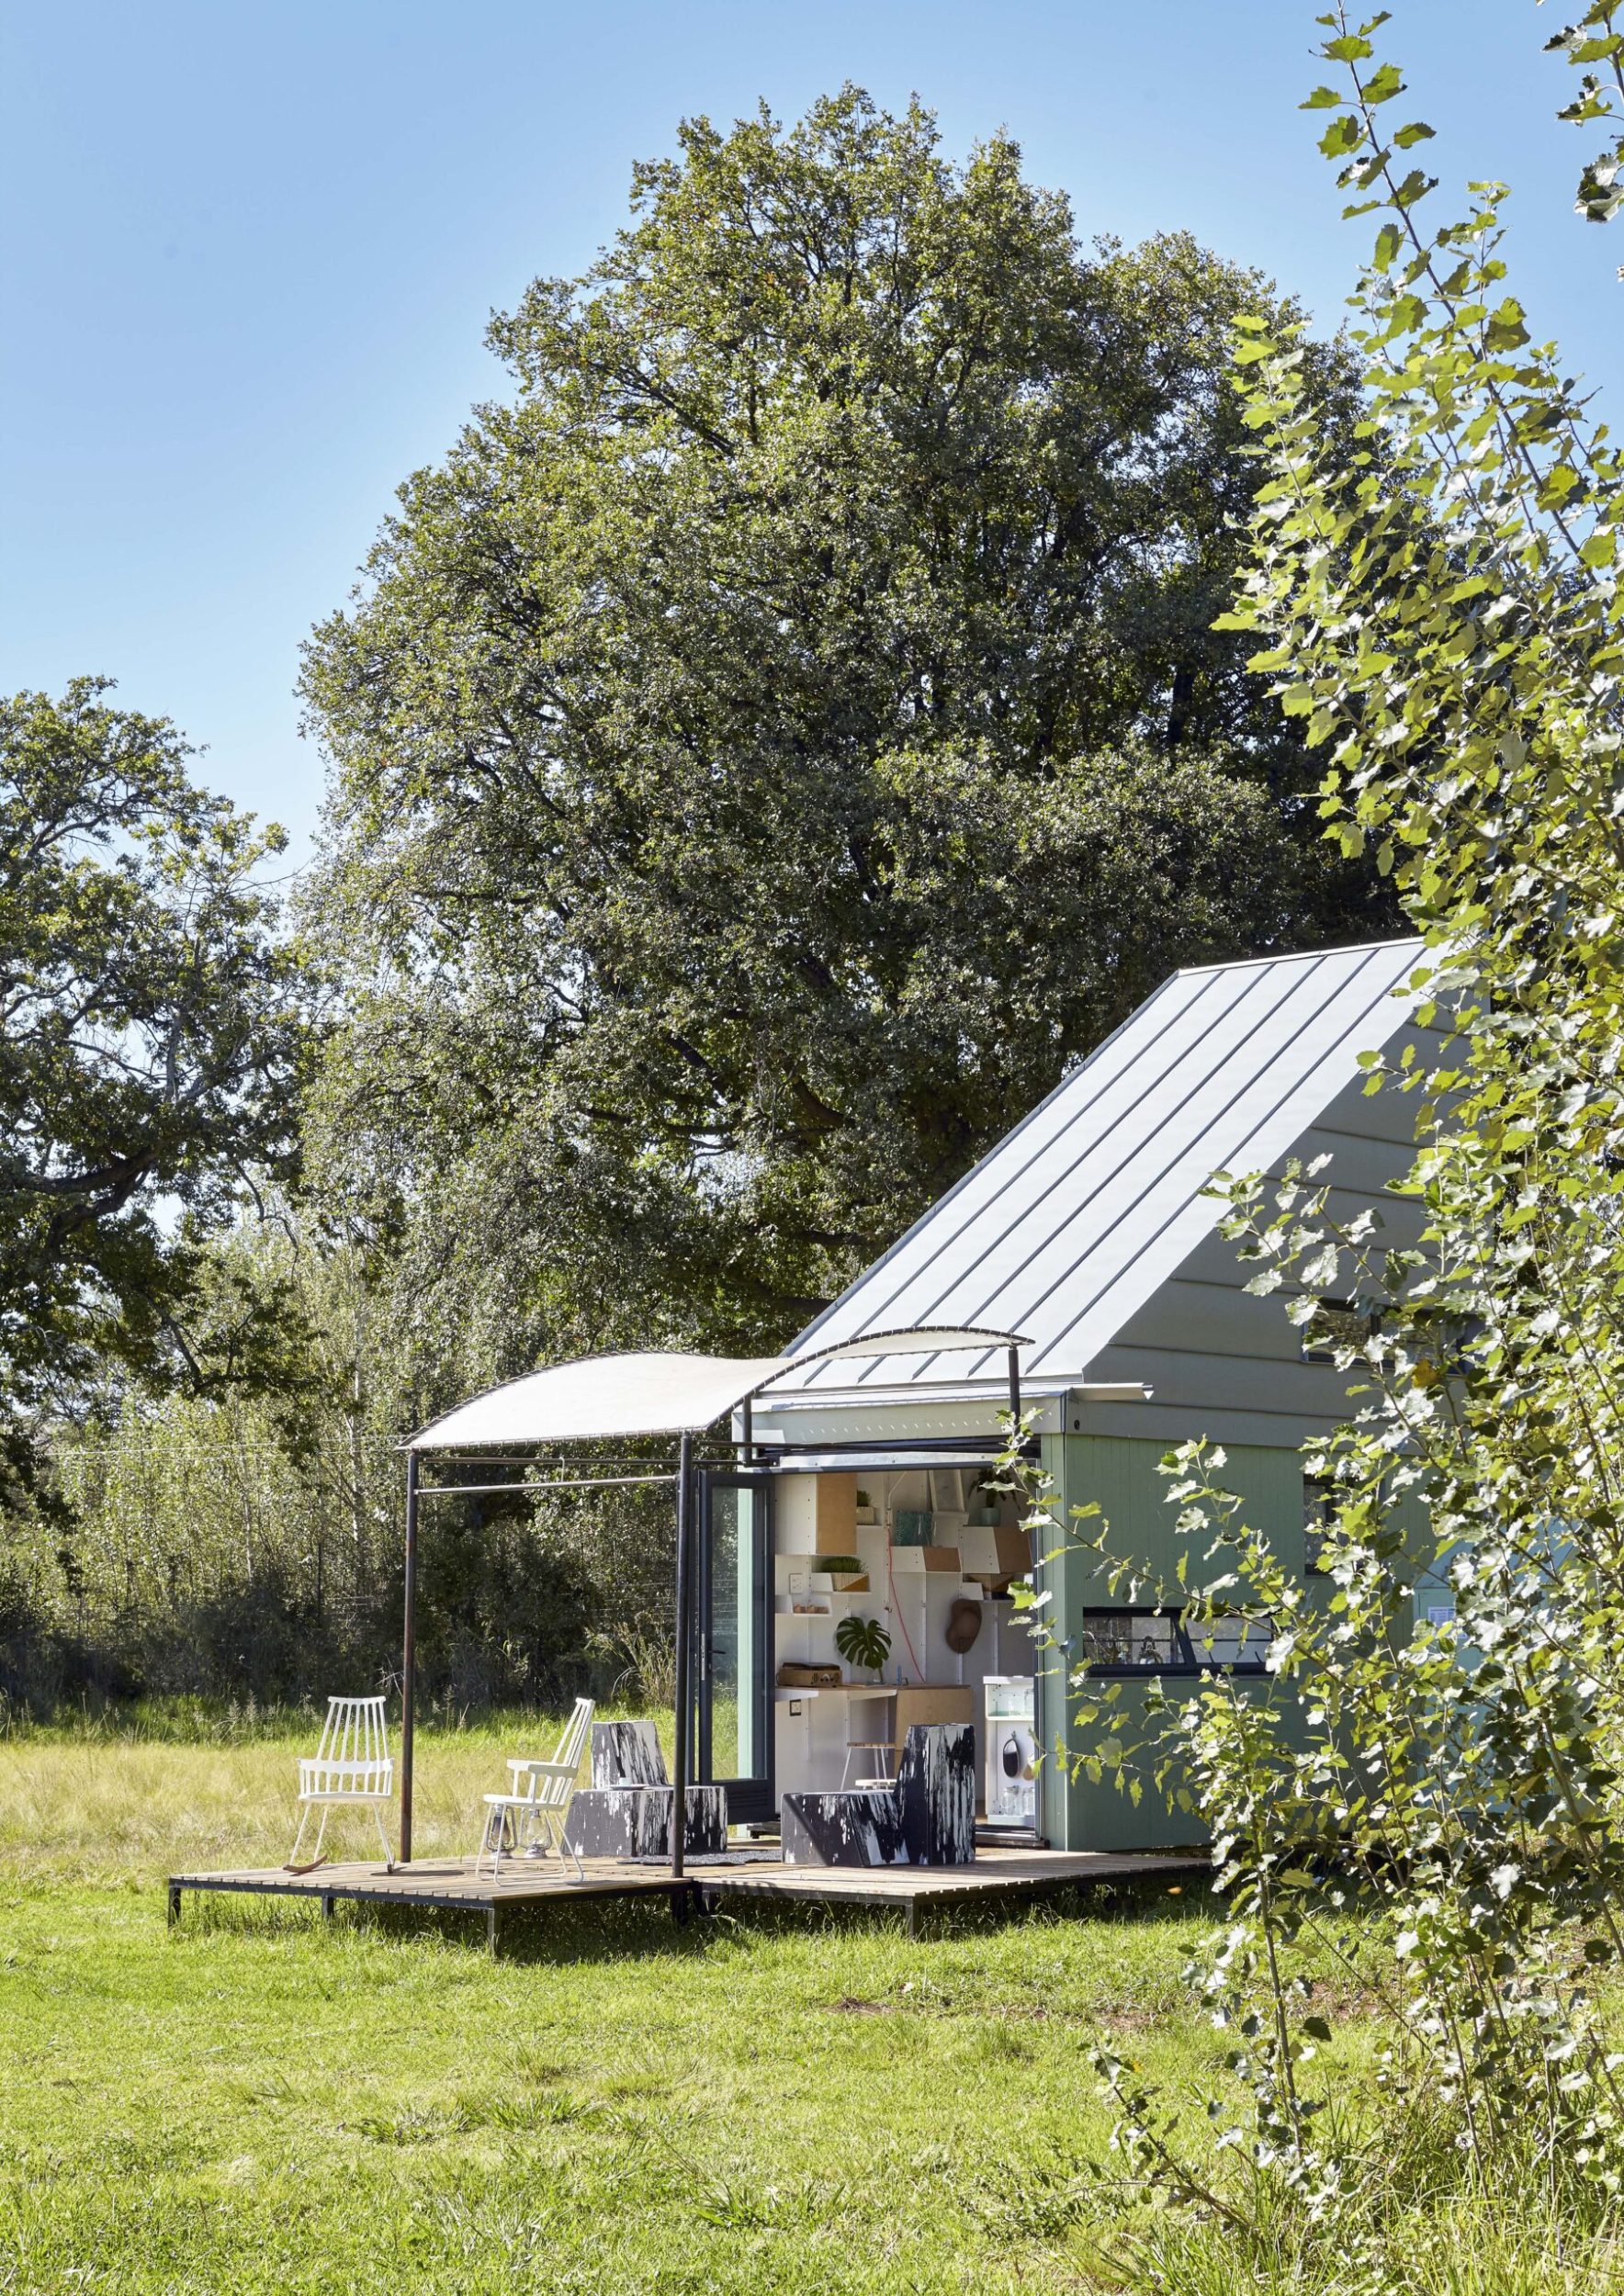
{"x": 249, "y": 250}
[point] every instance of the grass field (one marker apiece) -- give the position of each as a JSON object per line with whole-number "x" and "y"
{"x": 786, "y": 2101}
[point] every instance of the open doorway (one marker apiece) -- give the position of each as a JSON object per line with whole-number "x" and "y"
{"x": 924, "y": 1554}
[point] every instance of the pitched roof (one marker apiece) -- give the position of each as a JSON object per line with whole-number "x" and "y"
{"x": 1066, "y": 1227}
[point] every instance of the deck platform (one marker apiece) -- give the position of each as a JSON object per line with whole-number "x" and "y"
{"x": 914, "y": 1890}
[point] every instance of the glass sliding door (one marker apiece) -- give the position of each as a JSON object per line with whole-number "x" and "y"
{"x": 733, "y": 1642}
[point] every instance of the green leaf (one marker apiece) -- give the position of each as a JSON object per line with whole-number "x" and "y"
{"x": 1415, "y": 187}
{"x": 1506, "y": 331}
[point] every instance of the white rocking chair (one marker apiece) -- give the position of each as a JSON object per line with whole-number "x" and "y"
{"x": 350, "y": 1768}
{"x": 531, "y": 1818}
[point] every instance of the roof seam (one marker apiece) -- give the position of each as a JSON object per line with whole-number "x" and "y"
{"x": 1064, "y": 1084}
{"x": 1082, "y": 1110}
{"x": 1299, "y": 956}
{"x": 1345, "y": 994}
{"x": 1167, "y": 1223}
{"x": 963, "y": 1275}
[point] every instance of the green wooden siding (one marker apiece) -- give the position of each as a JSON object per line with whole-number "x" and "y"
{"x": 1120, "y": 1477}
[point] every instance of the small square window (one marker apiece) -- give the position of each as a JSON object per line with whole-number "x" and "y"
{"x": 1334, "y": 1324}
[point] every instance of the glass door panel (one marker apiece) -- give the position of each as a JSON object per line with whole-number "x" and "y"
{"x": 732, "y": 1659}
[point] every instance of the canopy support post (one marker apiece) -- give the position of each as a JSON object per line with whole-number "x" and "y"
{"x": 408, "y": 1658}
{"x": 684, "y": 1599}
{"x": 1014, "y": 1395}
{"x": 746, "y": 1433}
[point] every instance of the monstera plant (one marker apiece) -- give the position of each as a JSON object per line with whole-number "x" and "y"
{"x": 863, "y": 1642}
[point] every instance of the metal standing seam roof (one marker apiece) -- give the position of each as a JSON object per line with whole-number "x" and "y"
{"x": 1065, "y": 1228}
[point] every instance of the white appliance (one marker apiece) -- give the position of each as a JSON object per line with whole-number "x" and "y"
{"x": 1011, "y": 1750}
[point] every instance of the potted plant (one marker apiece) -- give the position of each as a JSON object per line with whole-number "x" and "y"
{"x": 863, "y": 1642}
{"x": 845, "y": 1574}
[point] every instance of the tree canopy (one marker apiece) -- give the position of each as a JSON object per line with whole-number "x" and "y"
{"x": 774, "y": 743}
{"x": 148, "y": 1059}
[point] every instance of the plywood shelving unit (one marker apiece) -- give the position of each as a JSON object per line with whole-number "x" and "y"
{"x": 817, "y": 1517}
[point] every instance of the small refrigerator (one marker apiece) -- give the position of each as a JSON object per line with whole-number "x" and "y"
{"x": 1011, "y": 1750}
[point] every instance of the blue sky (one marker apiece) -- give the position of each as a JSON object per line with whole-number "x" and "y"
{"x": 247, "y": 253}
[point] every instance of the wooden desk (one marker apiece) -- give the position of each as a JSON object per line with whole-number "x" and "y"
{"x": 915, "y": 1702}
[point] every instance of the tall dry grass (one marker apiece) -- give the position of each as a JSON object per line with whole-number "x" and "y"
{"x": 90, "y": 1808}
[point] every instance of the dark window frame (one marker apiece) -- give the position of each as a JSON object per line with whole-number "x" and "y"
{"x": 1339, "y": 1323}
{"x": 1189, "y": 1660}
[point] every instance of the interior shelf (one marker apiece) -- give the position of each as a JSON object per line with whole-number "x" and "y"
{"x": 837, "y": 1690}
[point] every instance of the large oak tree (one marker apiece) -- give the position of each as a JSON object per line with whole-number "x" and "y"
{"x": 788, "y": 728}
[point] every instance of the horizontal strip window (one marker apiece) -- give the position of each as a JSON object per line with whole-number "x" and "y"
{"x": 1173, "y": 1642}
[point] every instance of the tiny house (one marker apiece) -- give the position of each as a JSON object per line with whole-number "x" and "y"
{"x": 861, "y": 1489}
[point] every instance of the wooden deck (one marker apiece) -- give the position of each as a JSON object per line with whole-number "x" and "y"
{"x": 914, "y": 1890}
{"x": 996, "y": 1873}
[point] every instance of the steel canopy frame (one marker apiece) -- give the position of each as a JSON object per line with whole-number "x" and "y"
{"x": 760, "y": 1375}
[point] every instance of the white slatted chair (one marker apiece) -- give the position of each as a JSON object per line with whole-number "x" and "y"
{"x": 350, "y": 1769}
{"x": 532, "y": 1814}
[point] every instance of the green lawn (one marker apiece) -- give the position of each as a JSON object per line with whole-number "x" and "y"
{"x": 260, "y": 2101}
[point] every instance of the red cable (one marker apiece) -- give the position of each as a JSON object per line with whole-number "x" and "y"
{"x": 897, "y": 1613}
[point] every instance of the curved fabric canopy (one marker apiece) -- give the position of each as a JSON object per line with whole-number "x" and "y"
{"x": 601, "y": 1395}
{"x": 651, "y": 1394}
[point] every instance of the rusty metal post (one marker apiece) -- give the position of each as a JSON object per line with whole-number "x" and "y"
{"x": 409, "y": 1660}
{"x": 685, "y": 1636}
